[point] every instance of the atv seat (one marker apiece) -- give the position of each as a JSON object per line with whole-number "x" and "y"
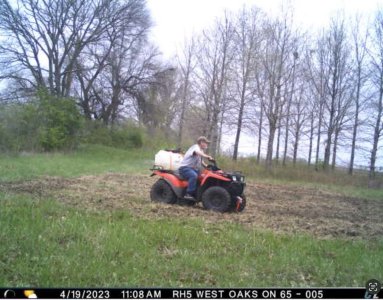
{"x": 178, "y": 175}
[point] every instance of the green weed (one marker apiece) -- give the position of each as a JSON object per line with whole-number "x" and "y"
{"x": 47, "y": 244}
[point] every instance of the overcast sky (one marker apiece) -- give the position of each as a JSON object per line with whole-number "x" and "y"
{"x": 175, "y": 20}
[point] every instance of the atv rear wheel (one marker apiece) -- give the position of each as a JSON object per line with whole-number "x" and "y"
{"x": 162, "y": 192}
{"x": 216, "y": 198}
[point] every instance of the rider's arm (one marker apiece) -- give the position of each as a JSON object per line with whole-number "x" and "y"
{"x": 200, "y": 153}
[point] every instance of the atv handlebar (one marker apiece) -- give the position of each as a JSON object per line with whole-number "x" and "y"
{"x": 213, "y": 162}
{"x": 213, "y": 166}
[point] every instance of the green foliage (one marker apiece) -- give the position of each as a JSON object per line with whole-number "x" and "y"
{"x": 50, "y": 123}
{"x": 123, "y": 136}
{"x": 4, "y": 136}
{"x": 127, "y": 137}
{"x": 44, "y": 123}
{"x": 18, "y": 127}
{"x": 60, "y": 122}
{"x": 136, "y": 139}
{"x": 94, "y": 132}
{"x": 158, "y": 139}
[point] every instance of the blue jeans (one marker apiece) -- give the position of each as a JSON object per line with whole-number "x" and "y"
{"x": 191, "y": 176}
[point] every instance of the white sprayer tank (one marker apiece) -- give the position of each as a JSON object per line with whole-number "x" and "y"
{"x": 168, "y": 160}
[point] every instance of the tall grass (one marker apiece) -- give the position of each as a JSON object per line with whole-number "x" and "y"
{"x": 302, "y": 174}
{"x": 45, "y": 244}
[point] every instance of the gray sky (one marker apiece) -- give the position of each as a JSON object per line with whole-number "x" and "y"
{"x": 175, "y": 20}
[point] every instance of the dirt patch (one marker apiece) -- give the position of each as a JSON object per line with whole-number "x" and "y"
{"x": 277, "y": 207}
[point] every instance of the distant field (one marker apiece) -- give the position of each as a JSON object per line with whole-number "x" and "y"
{"x": 85, "y": 219}
{"x": 88, "y": 159}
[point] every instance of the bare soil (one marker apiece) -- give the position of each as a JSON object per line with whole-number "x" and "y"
{"x": 281, "y": 208}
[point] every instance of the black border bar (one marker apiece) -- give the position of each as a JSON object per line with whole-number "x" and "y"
{"x": 185, "y": 293}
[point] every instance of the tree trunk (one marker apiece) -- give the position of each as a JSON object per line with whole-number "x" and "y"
{"x": 311, "y": 138}
{"x": 296, "y": 137}
{"x": 270, "y": 143}
{"x": 183, "y": 108}
{"x": 334, "y": 150}
{"x": 319, "y": 134}
{"x": 278, "y": 141}
{"x": 356, "y": 124}
{"x": 377, "y": 132}
{"x": 296, "y": 144}
{"x": 260, "y": 135}
{"x": 288, "y": 111}
{"x": 239, "y": 121}
{"x": 330, "y": 131}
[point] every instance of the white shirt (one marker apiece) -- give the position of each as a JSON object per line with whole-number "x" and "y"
{"x": 191, "y": 159}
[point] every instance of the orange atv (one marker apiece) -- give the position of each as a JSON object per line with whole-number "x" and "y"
{"x": 218, "y": 191}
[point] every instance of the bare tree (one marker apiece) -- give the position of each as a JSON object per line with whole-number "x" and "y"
{"x": 214, "y": 58}
{"x": 247, "y": 39}
{"x": 110, "y": 71}
{"x": 290, "y": 99}
{"x": 376, "y": 57}
{"x": 125, "y": 71}
{"x": 186, "y": 64}
{"x": 330, "y": 76}
{"x": 258, "y": 106}
{"x": 260, "y": 126}
{"x": 359, "y": 52}
{"x": 156, "y": 102}
{"x": 299, "y": 116}
{"x": 277, "y": 65}
{"x": 333, "y": 57}
{"x": 318, "y": 76}
{"x": 45, "y": 38}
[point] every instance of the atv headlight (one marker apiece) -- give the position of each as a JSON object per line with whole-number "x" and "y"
{"x": 237, "y": 178}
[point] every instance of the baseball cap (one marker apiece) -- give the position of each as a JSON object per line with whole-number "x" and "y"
{"x": 203, "y": 139}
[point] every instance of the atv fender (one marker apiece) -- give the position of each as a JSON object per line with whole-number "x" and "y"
{"x": 216, "y": 176}
{"x": 178, "y": 186}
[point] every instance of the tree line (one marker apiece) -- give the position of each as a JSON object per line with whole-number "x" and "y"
{"x": 300, "y": 94}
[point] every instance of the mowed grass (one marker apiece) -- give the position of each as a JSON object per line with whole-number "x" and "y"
{"x": 87, "y": 160}
{"x": 47, "y": 244}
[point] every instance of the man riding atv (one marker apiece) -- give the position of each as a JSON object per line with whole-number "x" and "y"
{"x": 217, "y": 190}
{"x": 191, "y": 165}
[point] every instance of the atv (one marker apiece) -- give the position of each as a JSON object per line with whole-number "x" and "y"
{"x": 217, "y": 190}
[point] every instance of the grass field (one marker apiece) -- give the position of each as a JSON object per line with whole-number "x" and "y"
{"x": 71, "y": 236}
{"x": 86, "y": 160}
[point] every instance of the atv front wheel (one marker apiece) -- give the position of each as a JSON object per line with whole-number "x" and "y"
{"x": 162, "y": 192}
{"x": 216, "y": 198}
{"x": 240, "y": 204}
